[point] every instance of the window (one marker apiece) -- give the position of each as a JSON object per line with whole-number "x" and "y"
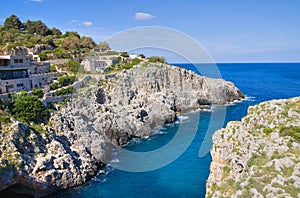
{"x": 9, "y": 86}
{"x": 20, "y": 85}
{"x": 17, "y": 74}
{"x": 8, "y": 75}
{"x": 24, "y": 74}
{"x": 18, "y": 60}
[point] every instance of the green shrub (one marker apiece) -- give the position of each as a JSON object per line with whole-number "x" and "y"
{"x": 154, "y": 59}
{"x": 293, "y": 131}
{"x": 53, "y": 68}
{"x": 28, "y": 108}
{"x": 4, "y": 119}
{"x": 70, "y": 89}
{"x": 62, "y": 91}
{"x": 73, "y": 66}
{"x": 54, "y": 86}
{"x": 66, "y": 80}
{"x": 37, "y": 92}
{"x": 268, "y": 130}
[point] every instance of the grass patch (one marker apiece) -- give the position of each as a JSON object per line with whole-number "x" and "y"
{"x": 229, "y": 186}
{"x": 287, "y": 171}
{"x": 258, "y": 160}
{"x": 267, "y": 130}
{"x": 293, "y": 131}
{"x": 4, "y": 119}
{"x": 226, "y": 171}
{"x": 290, "y": 182}
{"x": 254, "y": 183}
{"x": 39, "y": 128}
{"x": 276, "y": 155}
{"x": 288, "y": 189}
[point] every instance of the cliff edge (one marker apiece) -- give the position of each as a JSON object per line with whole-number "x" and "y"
{"x": 258, "y": 156}
{"x": 108, "y": 111}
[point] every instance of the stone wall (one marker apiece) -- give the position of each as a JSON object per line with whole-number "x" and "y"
{"x": 39, "y": 68}
{"x": 15, "y": 85}
{"x": 50, "y": 97}
{"x": 39, "y": 80}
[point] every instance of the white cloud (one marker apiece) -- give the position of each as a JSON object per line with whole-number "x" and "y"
{"x": 80, "y": 23}
{"x": 37, "y": 1}
{"x": 143, "y": 16}
{"x": 87, "y": 23}
{"x": 73, "y": 22}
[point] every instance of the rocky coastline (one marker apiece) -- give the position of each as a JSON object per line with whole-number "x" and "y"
{"x": 259, "y": 155}
{"x": 74, "y": 145}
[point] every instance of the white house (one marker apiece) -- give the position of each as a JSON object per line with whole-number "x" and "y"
{"x": 22, "y": 73}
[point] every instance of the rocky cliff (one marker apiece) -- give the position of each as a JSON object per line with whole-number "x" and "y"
{"x": 77, "y": 140}
{"x": 259, "y": 156}
{"x": 23, "y": 51}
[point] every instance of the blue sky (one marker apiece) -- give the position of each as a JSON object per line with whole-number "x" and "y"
{"x": 231, "y": 31}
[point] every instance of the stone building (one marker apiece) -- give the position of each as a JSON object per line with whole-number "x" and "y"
{"x": 22, "y": 73}
{"x": 99, "y": 63}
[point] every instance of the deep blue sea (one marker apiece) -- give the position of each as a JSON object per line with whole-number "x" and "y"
{"x": 187, "y": 175}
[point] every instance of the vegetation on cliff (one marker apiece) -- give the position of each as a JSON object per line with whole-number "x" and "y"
{"x": 14, "y": 33}
{"x": 258, "y": 156}
{"x": 24, "y": 107}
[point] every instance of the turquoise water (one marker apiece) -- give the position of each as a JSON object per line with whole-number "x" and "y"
{"x": 186, "y": 176}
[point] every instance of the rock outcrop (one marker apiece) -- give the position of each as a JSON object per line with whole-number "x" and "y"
{"x": 259, "y": 156}
{"x": 134, "y": 102}
{"x": 73, "y": 146}
{"x": 39, "y": 163}
{"x": 23, "y": 51}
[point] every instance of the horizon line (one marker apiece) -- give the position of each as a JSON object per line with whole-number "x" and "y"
{"x": 232, "y": 62}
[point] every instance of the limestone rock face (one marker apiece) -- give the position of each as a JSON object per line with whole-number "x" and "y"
{"x": 259, "y": 156}
{"x": 43, "y": 163}
{"x": 134, "y": 102}
{"x": 81, "y": 133}
{"x": 23, "y": 51}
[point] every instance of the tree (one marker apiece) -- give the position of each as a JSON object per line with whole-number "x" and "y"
{"x": 28, "y": 108}
{"x": 159, "y": 59}
{"x": 66, "y": 80}
{"x": 71, "y": 43}
{"x": 73, "y": 66}
{"x": 55, "y": 31}
{"x": 103, "y": 45}
{"x": 13, "y": 22}
{"x": 37, "y": 27}
{"x": 71, "y": 34}
{"x": 43, "y": 56}
{"x": 87, "y": 42}
{"x": 135, "y": 61}
{"x": 142, "y": 56}
{"x": 125, "y": 55}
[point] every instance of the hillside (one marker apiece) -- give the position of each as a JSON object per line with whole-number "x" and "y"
{"x": 36, "y": 34}
{"x": 259, "y": 156}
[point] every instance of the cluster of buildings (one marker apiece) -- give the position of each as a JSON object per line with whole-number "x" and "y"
{"x": 24, "y": 72}
{"x": 103, "y": 58}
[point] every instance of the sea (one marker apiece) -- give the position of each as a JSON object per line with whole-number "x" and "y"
{"x": 186, "y": 176}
